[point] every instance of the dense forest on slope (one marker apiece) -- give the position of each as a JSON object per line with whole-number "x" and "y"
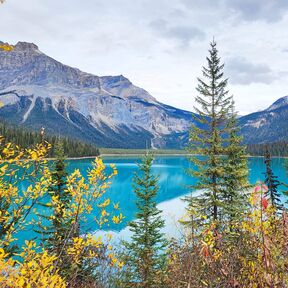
{"x": 26, "y": 138}
{"x": 276, "y": 149}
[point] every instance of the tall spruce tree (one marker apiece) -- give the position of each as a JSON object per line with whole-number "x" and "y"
{"x": 145, "y": 256}
{"x": 272, "y": 183}
{"x": 57, "y": 230}
{"x": 236, "y": 172}
{"x": 207, "y": 136}
{"x": 61, "y": 225}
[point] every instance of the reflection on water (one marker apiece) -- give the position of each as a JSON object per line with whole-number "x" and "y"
{"x": 172, "y": 211}
{"x": 173, "y": 185}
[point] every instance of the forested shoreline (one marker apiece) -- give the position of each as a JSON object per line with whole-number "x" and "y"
{"x": 277, "y": 149}
{"x": 77, "y": 148}
{"x": 26, "y": 138}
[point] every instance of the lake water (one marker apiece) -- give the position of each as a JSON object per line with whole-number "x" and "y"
{"x": 173, "y": 186}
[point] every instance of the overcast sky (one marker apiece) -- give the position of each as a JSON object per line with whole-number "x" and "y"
{"x": 161, "y": 45}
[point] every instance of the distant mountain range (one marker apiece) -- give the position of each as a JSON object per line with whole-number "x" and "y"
{"x": 37, "y": 91}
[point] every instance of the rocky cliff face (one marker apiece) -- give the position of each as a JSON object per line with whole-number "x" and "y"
{"x": 36, "y": 91}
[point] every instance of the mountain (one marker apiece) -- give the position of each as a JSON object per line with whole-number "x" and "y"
{"x": 109, "y": 111}
{"x": 267, "y": 126}
{"x": 37, "y": 91}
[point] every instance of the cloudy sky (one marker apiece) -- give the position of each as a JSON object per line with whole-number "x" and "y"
{"x": 161, "y": 45}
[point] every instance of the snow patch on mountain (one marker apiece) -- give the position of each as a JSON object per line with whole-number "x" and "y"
{"x": 257, "y": 123}
{"x": 33, "y": 99}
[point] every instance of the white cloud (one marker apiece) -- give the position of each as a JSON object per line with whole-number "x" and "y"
{"x": 182, "y": 33}
{"x": 241, "y": 71}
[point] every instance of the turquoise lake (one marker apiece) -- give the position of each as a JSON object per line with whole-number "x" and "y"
{"x": 173, "y": 186}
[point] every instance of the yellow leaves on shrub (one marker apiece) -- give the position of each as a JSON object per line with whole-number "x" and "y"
{"x": 36, "y": 269}
{"x": 17, "y": 165}
{"x": 116, "y": 206}
{"x": 265, "y": 232}
{"x": 118, "y": 219}
{"x": 6, "y": 47}
{"x": 84, "y": 248}
{"x": 86, "y": 193}
{"x": 39, "y": 152}
{"x": 8, "y": 151}
{"x": 114, "y": 261}
{"x": 104, "y": 204}
{"x": 6, "y": 269}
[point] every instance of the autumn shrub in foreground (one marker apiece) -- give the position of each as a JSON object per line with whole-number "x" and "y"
{"x": 74, "y": 258}
{"x": 253, "y": 254}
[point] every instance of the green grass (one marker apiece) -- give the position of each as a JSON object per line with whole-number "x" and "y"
{"x": 115, "y": 151}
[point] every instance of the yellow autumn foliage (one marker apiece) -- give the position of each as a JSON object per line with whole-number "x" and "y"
{"x": 6, "y": 47}
{"x": 35, "y": 270}
{"x": 34, "y": 266}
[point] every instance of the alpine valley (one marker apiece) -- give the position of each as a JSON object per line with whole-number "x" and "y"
{"x": 109, "y": 111}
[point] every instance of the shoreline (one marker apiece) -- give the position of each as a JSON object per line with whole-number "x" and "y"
{"x": 118, "y": 155}
{"x": 141, "y": 154}
{"x": 106, "y": 155}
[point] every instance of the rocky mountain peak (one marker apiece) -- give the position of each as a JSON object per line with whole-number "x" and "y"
{"x": 26, "y": 65}
{"x": 25, "y": 46}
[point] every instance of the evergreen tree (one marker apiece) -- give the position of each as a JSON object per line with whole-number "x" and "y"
{"x": 207, "y": 136}
{"x": 59, "y": 174}
{"x": 56, "y": 229}
{"x": 272, "y": 184}
{"x": 236, "y": 172}
{"x": 145, "y": 256}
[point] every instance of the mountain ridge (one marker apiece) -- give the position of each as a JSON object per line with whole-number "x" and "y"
{"x": 268, "y": 125}
{"x": 37, "y": 90}
{"x": 281, "y": 102}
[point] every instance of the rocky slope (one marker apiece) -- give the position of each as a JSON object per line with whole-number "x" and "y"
{"x": 269, "y": 125}
{"x": 36, "y": 91}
